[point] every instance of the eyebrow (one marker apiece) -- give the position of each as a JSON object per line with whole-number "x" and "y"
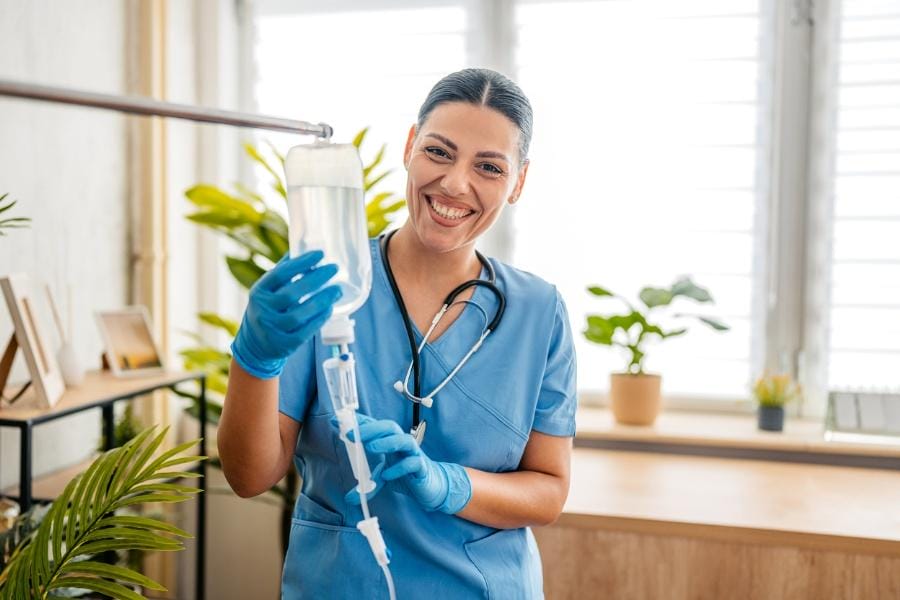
{"x": 452, "y": 146}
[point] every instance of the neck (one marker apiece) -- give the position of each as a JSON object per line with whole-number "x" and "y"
{"x": 417, "y": 264}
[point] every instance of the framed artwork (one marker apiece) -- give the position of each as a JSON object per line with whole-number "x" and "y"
{"x": 130, "y": 347}
{"x": 31, "y": 339}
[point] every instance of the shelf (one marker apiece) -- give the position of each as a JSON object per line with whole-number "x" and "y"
{"x": 51, "y": 485}
{"x": 729, "y": 435}
{"x": 98, "y": 388}
{"x": 821, "y": 506}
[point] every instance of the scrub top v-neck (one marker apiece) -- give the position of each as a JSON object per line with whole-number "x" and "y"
{"x": 521, "y": 379}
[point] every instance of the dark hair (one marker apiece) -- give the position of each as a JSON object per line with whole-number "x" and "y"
{"x": 483, "y": 87}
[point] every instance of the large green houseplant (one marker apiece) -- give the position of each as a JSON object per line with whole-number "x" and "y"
{"x": 260, "y": 233}
{"x": 61, "y": 555}
{"x": 635, "y": 394}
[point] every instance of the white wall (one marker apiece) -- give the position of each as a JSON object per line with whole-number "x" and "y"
{"x": 67, "y": 168}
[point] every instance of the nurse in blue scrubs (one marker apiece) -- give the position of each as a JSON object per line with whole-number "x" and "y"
{"x": 455, "y": 508}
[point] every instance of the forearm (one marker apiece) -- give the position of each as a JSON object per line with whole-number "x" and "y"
{"x": 249, "y": 437}
{"x": 516, "y": 499}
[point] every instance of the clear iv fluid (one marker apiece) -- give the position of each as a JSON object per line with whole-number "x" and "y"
{"x": 333, "y": 219}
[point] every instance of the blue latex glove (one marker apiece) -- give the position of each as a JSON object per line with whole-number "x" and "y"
{"x": 275, "y": 322}
{"x": 434, "y": 485}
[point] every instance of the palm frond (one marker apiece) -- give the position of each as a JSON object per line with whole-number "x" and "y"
{"x": 82, "y": 522}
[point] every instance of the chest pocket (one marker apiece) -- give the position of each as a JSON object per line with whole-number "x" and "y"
{"x": 467, "y": 423}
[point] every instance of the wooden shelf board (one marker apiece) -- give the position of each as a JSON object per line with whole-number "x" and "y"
{"x": 787, "y": 503}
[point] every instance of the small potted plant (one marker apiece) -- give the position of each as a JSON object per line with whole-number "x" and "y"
{"x": 634, "y": 394}
{"x": 772, "y": 392}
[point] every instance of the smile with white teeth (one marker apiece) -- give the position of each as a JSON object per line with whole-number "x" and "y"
{"x": 446, "y": 211}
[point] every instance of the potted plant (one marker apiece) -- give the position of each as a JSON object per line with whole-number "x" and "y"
{"x": 772, "y": 392}
{"x": 61, "y": 551}
{"x": 635, "y": 394}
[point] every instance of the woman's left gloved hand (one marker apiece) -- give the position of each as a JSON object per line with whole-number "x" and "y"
{"x": 434, "y": 485}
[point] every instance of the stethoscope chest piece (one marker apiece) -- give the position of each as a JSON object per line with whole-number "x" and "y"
{"x": 418, "y": 432}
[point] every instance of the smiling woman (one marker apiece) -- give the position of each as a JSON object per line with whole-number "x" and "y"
{"x": 455, "y": 505}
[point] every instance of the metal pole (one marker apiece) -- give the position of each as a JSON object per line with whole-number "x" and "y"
{"x": 146, "y": 106}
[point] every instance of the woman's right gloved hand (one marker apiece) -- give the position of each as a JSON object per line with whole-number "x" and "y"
{"x": 275, "y": 322}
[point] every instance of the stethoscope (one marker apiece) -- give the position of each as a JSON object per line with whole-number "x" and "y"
{"x": 418, "y": 425}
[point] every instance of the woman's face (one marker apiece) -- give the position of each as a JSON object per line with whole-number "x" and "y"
{"x": 463, "y": 167}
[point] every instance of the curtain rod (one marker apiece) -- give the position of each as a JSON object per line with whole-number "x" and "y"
{"x": 147, "y": 106}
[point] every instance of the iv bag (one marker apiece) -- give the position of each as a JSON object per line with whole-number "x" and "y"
{"x": 327, "y": 212}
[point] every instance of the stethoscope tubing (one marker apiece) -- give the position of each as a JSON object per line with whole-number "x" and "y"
{"x": 414, "y": 367}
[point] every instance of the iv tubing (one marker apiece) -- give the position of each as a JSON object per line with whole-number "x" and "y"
{"x": 336, "y": 352}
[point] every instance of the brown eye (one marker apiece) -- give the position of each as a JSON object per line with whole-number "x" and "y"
{"x": 492, "y": 169}
{"x": 435, "y": 151}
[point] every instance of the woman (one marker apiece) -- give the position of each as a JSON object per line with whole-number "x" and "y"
{"x": 455, "y": 508}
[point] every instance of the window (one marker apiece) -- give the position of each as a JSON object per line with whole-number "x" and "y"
{"x": 670, "y": 138}
{"x": 864, "y": 307}
{"x": 355, "y": 65}
{"x": 649, "y": 161}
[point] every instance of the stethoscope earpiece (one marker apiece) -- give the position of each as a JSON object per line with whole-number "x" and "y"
{"x": 398, "y": 385}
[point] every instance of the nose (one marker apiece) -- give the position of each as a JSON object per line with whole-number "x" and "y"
{"x": 455, "y": 181}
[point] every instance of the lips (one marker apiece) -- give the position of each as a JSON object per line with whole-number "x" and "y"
{"x": 448, "y": 214}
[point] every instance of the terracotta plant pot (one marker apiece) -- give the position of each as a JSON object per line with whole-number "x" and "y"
{"x": 635, "y": 399}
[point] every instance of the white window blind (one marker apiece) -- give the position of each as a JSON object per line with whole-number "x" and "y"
{"x": 649, "y": 162}
{"x": 864, "y": 336}
{"x": 354, "y": 65}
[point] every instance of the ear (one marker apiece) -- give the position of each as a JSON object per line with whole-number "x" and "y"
{"x": 407, "y": 152}
{"x": 520, "y": 183}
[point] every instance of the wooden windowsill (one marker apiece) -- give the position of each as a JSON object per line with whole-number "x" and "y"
{"x": 757, "y": 502}
{"x": 719, "y": 432}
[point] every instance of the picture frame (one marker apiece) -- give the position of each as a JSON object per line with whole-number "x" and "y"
{"x": 30, "y": 337}
{"x": 131, "y": 349}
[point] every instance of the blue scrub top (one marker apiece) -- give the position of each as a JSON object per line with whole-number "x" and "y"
{"x": 521, "y": 379}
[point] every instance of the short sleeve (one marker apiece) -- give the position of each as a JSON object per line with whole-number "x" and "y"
{"x": 555, "y": 412}
{"x": 297, "y": 383}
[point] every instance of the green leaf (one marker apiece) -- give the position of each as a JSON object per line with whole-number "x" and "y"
{"x": 674, "y": 333}
{"x": 247, "y": 192}
{"x": 246, "y": 271}
{"x": 112, "y": 572}
{"x": 717, "y": 325}
{"x": 275, "y": 151}
{"x": 135, "y": 522}
{"x": 600, "y": 330}
{"x": 8, "y": 206}
{"x": 207, "y": 356}
{"x": 652, "y": 297}
{"x": 374, "y": 206}
{"x": 109, "y": 588}
{"x": 377, "y": 212}
{"x": 217, "y": 219}
{"x": 249, "y": 238}
{"x": 277, "y": 183}
{"x": 375, "y": 162}
{"x": 358, "y": 140}
{"x": 212, "y": 198}
{"x": 370, "y": 184}
{"x": 230, "y": 326}
{"x": 599, "y": 291}
{"x": 686, "y": 287}
{"x": 274, "y": 234}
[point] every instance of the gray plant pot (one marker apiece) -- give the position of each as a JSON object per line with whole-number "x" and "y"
{"x": 771, "y": 418}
